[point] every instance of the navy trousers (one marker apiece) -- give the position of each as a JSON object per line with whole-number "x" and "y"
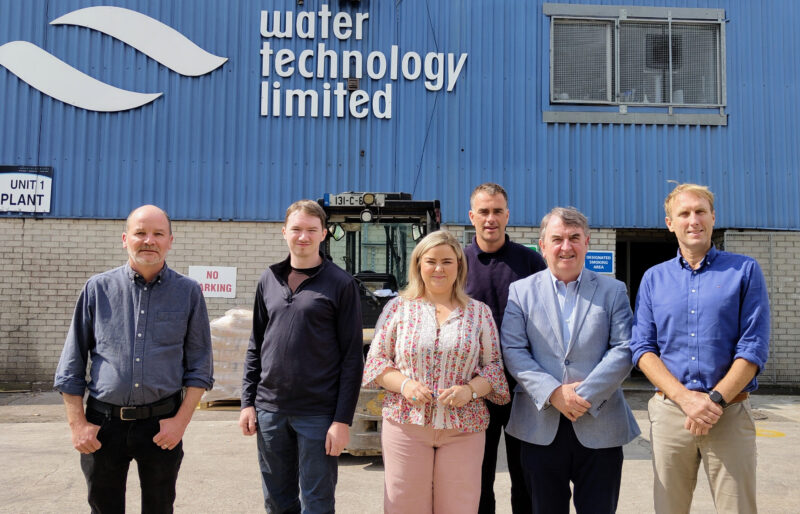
{"x": 520, "y": 499}
{"x": 595, "y": 473}
{"x": 296, "y": 475}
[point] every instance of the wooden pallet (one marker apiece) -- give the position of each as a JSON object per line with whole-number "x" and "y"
{"x": 220, "y": 405}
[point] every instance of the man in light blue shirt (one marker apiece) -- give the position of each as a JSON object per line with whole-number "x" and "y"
{"x": 565, "y": 338}
{"x": 701, "y": 335}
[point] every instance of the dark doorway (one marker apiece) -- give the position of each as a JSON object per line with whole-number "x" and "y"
{"x": 638, "y": 251}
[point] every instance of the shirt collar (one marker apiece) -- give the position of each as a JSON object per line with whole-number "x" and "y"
{"x": 499, "y": 251}
{"x": 707, "y": 260}
{"x": 134, "y": 275}
{"x": 555, "y": 281}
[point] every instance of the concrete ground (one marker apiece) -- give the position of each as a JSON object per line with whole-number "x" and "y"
{"x": 40, "y": 472}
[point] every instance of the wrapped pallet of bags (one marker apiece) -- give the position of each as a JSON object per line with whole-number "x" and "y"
{"x": 230, "y": 335}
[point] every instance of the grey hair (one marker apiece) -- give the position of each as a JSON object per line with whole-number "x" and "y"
{"x": 571, "y": 217}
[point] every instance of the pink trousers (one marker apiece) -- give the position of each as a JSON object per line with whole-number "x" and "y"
{"x": 428, "y": 470}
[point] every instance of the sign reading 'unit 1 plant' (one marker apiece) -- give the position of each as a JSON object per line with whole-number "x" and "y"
{"x": 25, "y": 188}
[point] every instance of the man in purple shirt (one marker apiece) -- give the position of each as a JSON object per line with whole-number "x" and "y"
{"x": 493, "y": 262}
{"x": 701, "y": 335}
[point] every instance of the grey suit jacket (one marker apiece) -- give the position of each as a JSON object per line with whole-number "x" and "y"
{"x": 597, "y": 355}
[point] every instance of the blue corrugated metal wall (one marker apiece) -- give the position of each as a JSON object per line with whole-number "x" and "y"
{"x": 203, "y": 151}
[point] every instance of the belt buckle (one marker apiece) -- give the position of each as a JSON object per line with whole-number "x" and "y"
{"x": 122, "y": 411}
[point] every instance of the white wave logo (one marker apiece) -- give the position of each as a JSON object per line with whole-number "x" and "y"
{"x": 55, "y": 78}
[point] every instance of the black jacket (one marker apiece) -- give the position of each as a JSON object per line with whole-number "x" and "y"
{"x": 305, "y": 351}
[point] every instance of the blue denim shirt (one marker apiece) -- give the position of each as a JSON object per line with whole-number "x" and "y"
{"x": 146, "y": 341}
{"x": 699, "y": 321}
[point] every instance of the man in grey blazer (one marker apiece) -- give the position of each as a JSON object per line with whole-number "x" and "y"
{"x": 565, "y": 339}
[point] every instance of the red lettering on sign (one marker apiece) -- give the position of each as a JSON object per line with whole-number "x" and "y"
{"x": 217, "y": 288}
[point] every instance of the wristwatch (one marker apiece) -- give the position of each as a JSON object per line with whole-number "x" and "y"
{"x": 474, "y": 394}
{"x": 717, "y": 398}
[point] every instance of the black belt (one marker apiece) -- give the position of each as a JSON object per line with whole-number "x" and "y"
{"x": 136, "y": 412}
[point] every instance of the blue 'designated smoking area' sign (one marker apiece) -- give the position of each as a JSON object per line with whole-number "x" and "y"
{"x": 600, "y": 261}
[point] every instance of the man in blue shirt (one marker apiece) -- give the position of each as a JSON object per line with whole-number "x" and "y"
{"x": 493, "y": 263}
{"x": 701, "y": 335}
{"x": 146, "y": 330}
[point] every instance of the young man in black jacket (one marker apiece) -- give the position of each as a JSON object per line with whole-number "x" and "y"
{"x": 302, "y": 369}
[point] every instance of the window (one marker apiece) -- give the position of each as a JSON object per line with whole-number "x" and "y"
{"x": 640, "y": 63}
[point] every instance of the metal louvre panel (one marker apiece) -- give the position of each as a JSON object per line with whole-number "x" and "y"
{"x": 582, "y": 57}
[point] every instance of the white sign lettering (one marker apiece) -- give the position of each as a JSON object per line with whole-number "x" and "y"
{"x": 438, "y": 69}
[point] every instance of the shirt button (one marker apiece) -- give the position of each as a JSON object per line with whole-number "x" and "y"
{"x": 692, "y": 311}
{"x": 146, "y": 289}
{"x": 135, "y": 385}
{"x": 138, "y": 359}
{"x": 139, "y": 334}
{"x": 692, "y": 290}
{"x": 692, "y": 334}
{"x": 566, "y": 362}
{"x": 692, "y": 358}
{"x": 143, "y": 312}
{"x": 695, "y": 381}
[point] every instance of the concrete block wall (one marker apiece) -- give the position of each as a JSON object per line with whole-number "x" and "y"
{"x": 778, "y": 254}
{"x": 44, "y": 264}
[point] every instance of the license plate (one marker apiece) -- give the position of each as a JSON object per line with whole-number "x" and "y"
{"x": 350, "y": 200}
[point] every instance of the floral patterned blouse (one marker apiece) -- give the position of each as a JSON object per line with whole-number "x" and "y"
{"x": 409, "y": 338}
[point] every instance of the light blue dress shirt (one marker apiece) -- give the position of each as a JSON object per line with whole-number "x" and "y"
{"x": 566, "y": 294}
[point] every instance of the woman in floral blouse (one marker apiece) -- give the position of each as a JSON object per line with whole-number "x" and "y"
{"x": 437, "y": 354}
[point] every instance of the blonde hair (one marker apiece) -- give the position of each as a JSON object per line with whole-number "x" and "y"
{"x": 416, "y": 287}
{"x": 695, "y": 189}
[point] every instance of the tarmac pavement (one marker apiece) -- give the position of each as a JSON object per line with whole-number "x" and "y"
{"x": 40, "y": 472}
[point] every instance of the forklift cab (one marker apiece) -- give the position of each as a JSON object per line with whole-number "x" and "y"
{"x": 372, "y": 235}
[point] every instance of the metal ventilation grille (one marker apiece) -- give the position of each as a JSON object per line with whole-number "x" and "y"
{"x": 583, "y": 53}
{"x": 697, "y": 77}
{"x": 649, "y": 75}
{"x": 643, "y": 54}
{"x": 658, "y": 63}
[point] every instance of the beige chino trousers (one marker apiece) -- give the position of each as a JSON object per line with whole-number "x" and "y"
{"x": 728, "y": 454}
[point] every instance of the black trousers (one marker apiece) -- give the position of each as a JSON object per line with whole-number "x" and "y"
{"x": 595, "y": 473}
{"x": 106, "y": 470}
{"x": 520, "y": 499}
